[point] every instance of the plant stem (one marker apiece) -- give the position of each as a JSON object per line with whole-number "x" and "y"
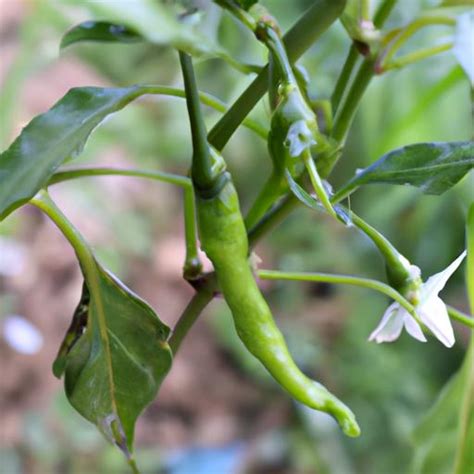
{"x": 299, "y": 38}
{"x": 133, "y": 466}
{"x": 238, "y": 13}
{"x": 210, "y": 101}
{"x": 380, "y": 17}
{"x": 270, "y": 192}
{"x": 344, "y": 117}
{"x": 74, "y": 173}
{"x": 460, "y": 316}
{"x": 409, "y": 31}
{"x": 344, "y": 78}
{"x": 276, "y": 214}
{"x": 80, "y": 246}
{"x": 44, "y": 202}
{"x": 192, "y": 264}
{"x": 393, "y": 257}
{"x": 398, "y": 264}
{"x": 201, "y": 168}
{"x": 317, "y": 184}
{"x": 346, "y": 113}
{"x": 275, "y": 46}
{"x": 342, "y": 193}
{"x": 205, "y": 293}
{"x": 364, "y": 10}
{"x": 340, "y": 279}
{"x": 272, "y": 218}
{"x": 416, "y": 56}
{"x": 194, "y": 308}
{"x": 383, "y": 12}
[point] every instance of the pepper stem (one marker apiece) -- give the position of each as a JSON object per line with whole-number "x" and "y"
{"x": 267, "y": 35}
{"x": 201, "y": 168}
{"x": 317, "y": 183}
{"x": 341, "y": 279}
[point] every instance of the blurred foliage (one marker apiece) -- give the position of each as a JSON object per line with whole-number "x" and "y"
{"x": 389, "y": 387}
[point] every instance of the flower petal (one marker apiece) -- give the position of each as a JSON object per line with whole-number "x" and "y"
{"x": 434, "y": 314}
{"x": 436, "y": 283}
{"x": 390, "y": 326}
{"x": 413, "y": 328}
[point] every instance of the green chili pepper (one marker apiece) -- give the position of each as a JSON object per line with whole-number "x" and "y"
{"x": 294, "y": 132}
{"x": 224, "y": 239}
{"x": 293, "y": 125}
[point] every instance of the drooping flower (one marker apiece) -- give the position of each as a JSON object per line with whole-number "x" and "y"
{"x": 428, "y": 305}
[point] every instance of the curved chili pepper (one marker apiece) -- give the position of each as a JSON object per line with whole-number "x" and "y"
{"x": 224, "y": 240}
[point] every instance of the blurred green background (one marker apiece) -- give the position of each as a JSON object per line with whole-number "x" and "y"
{"x": 218, "y": 412}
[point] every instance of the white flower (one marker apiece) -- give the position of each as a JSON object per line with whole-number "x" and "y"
{"x": 22, "y": 335}
{"x": 430, "y": 308}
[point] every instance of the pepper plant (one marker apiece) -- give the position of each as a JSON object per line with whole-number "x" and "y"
{"x": 117, "y": 351}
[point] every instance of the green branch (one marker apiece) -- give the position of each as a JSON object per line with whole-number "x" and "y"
{"x": 75, "y": 173}
{"x": 210, "y": 101}
{"x": 383, "y": 12}
{"x": 346, "y": 113}
{"x": 192, "y": 265}
{"x": 194, "y": 308}
{"x": 340, "y": 279}
{"x": 80, "y": 246}
{"x": 272, "y": 218}
{"x": 271, "y": 190}
{"x": 460, "y": 317}
{"x": 344, "y": 77}
{"x": 201, "y": 167}
{"x": 407, "y": 32}
{"x": 361, "y": 282}
{"x": 364, "y": 10}
{"x": 299, "y": 38}
{"x": 416, "y": 56}
{"x": 366, "y": 71}
{"x": 239, "y": 13}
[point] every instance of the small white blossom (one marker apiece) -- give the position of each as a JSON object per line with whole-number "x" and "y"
{"x": 22, "y": 335}
{"x": 429, "y": 307}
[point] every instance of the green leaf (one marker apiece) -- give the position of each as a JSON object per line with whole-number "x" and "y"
{"x": 117, "y": 358}
{"x": 470, "y": 256}
{"x": 100, "y": 31}
{"x": 301, "y": 194}
{"x": 435, "y": 437}
{"x": 62, "y": 132}
{"x": 463, "y": 47}
{"x": 433, "y": 167}
{"x": 115, "y": 353}
{"x": 53, "y": 137}
{"x": 464, "y": 460}
{"x": 156, "y": 23}
{"x": 149, "y": 18}
{"x": 444, "y": 438}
